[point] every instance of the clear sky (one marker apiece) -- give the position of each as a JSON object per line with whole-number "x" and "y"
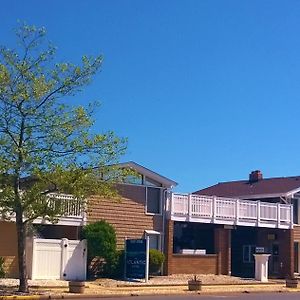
{"x": 205, "y": 91}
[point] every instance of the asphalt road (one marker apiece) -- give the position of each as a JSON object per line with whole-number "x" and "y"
{"x": 242, "y": 296}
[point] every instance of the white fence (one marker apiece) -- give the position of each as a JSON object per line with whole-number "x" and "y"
{"x": 211, "y": 209}
{"x": 56, "y": 259}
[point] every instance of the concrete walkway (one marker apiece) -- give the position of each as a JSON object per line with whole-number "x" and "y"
{"x": 161, "y": 285}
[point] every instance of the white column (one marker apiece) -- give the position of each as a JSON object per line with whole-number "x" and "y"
{"x": 261, "y": 267}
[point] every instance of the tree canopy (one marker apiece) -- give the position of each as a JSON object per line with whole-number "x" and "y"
{"x": 46, "y": 142}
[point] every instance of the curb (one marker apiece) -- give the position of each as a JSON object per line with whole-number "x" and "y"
{"x": 203, "y": 284}
{"x": 247, "y": 289}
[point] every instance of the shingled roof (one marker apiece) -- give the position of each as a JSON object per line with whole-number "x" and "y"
{"x": 252, "y": 188}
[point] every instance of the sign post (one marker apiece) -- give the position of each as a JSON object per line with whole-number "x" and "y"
{"x": 137, "y": 258}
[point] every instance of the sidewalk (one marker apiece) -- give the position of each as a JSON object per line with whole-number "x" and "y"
{"x": 161, "y": 285}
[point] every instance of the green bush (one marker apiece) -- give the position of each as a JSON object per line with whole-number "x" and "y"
{"x": 102, "y": 243}
{"x": 156, "y": 259}
{"x": 2, "y": 272}
{"x": 117, "y": 269}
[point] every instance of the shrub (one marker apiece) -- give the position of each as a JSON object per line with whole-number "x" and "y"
{"x": 2, "y": 272}
{"x": 156, "y": 258}
{"x": 102, "y": 242}
{"x": 117, "y": 269}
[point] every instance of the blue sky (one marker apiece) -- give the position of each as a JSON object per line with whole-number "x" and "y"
{"x": 205, "y": 91}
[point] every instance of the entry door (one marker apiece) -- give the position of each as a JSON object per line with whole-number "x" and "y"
{"x": 274, "y": 261}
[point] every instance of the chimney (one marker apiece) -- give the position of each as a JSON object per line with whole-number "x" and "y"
{"x": 255, "y": 176}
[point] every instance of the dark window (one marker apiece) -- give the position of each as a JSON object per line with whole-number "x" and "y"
{"x": 248, "y": 251}
{"x": 153, "y": 200}
{"x": 295, "y": 211}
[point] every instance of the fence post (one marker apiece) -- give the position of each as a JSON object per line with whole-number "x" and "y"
{"x": 64, "y": 254}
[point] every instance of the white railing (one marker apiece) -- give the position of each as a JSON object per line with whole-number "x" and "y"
{"x": 70, "y": 211}
{"x": 211, "y": 209}
{"x": 66, "y": 205}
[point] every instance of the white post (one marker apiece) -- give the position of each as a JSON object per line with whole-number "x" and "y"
{"x": 291, "y": 216}
{"x": 171, "y": 204}
{"x": 147, "y": 259}
{"x": 258, "y": 212}
{"x": 278, "y": 215}
{"x": 237, "y": 211}
{"x": 64, "y": 254}
{"x": 189, "y": 207}
{"x": 214, "y": 208}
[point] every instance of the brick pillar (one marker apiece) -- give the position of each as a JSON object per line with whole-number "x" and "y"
{"x": 223, "y": 250}
{"x": 286, "y": 248}
{"x": 169, "y": 247}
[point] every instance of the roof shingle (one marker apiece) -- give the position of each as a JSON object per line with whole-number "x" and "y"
{"x": 280, "y": 185}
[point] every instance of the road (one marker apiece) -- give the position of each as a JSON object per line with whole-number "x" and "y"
{"x": 242, "y": 296}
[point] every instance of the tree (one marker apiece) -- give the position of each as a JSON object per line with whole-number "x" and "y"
{"x": 47, "y": 145}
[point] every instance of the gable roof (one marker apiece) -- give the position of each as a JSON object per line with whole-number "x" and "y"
{"x": 263, "y": 188}
{"x": 166, "y": 182}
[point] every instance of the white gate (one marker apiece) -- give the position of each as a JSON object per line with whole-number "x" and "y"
{"x": 56, "y": 259}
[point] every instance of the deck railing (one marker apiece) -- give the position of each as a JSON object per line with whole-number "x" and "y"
{"x": 70, "y": 211}
{"x": 211, "y": 209}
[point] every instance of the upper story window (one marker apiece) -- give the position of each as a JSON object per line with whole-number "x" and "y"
{"x": 295, "y": 210}
{"x": 153, "y": 200}
{"x": 134, "y": 179}
{"x": 150, "y": 182}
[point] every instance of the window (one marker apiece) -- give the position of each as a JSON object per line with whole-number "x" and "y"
{"x": 248, "y": 251}
{"x": 151, "y": 182}
{"x": 134, "y": 179}
{"x": 153, "y": 200}
{"x": 295, "y": 211}
{"x": 154, "y": 241}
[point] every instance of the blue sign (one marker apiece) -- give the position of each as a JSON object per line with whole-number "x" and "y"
{"x": 136, "y": 258}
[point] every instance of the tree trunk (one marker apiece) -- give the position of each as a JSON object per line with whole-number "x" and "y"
{"x": 21, "y": 232}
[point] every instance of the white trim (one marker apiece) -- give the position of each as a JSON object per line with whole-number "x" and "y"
{"x": 152, "y": 232}
{"x": 166, "y": 182}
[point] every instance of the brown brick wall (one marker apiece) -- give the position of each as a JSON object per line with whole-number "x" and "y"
{"x": 297, "y": 233}
{"x": 198, "y": 264}
{"x": 8, "y": 248}
{"x": 193, "y": 264}
{"x": 222, "y": 249}
{"x": 126, "y": 215}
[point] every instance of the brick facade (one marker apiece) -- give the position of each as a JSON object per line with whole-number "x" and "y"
{"x": 128, "y": 215}
{"x": 9, "y": 248}
{"x": 218, "y": 263}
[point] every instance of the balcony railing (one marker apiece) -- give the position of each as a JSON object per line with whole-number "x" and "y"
{"x": 71, "y": 211}
{"x": 219, "y": 210}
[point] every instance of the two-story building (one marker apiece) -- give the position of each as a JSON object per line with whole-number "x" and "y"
{"x": 217, "y": 229}
{"x": 139, "y": 212}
